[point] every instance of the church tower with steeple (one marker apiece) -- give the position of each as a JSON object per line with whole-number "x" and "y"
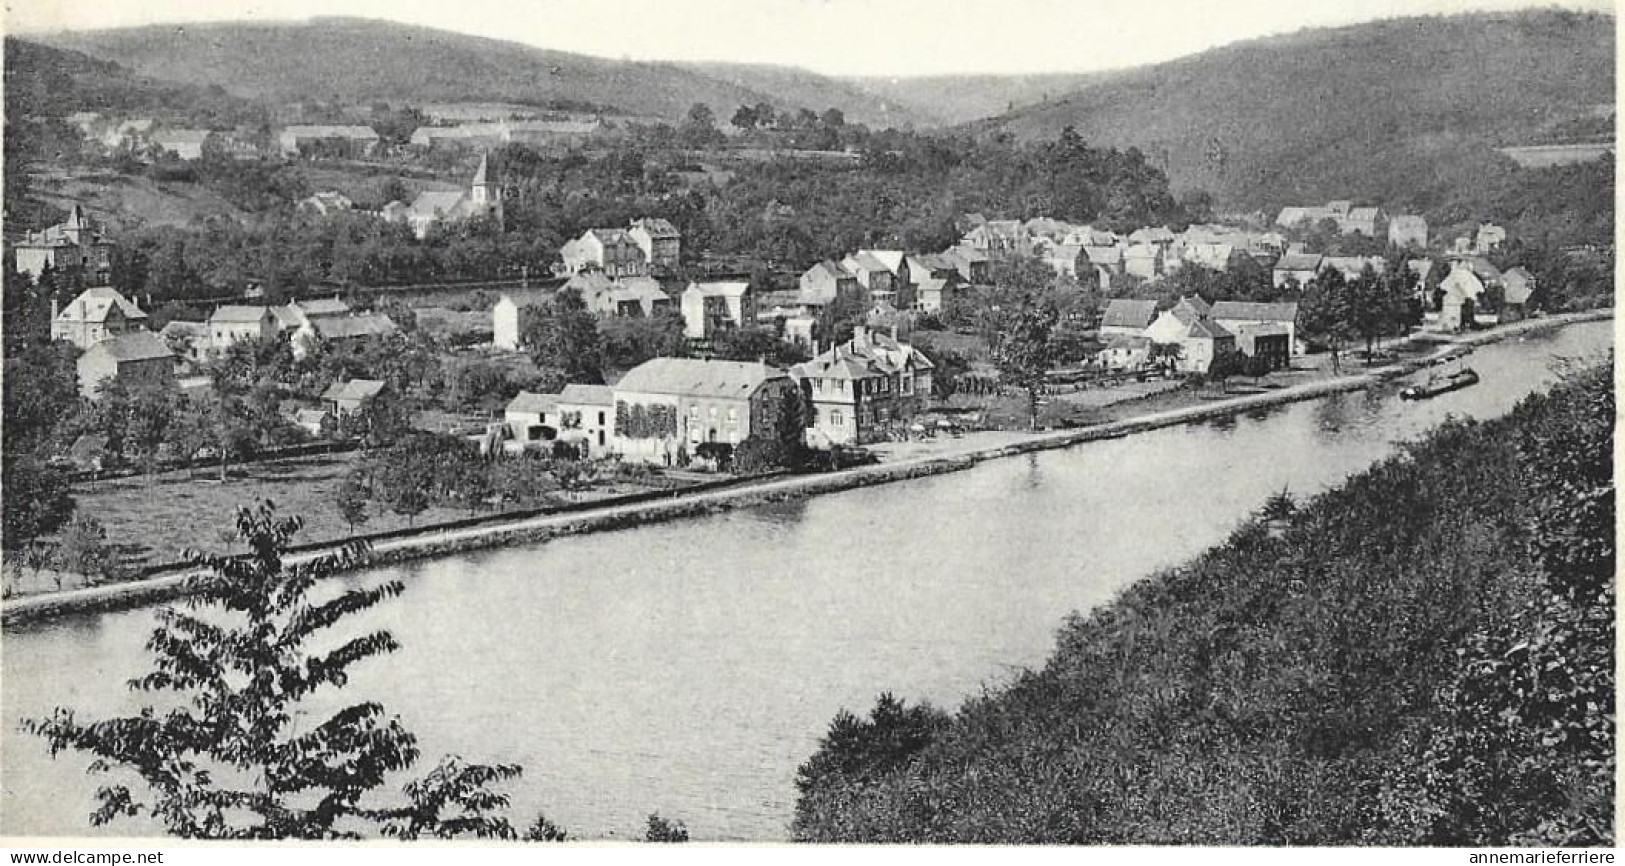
{"x": 485, "y": 195}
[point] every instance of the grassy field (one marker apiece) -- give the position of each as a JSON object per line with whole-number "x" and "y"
{"x": 153, "y": 520}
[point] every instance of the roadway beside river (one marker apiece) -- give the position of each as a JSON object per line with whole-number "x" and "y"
{"x": 916, "y": 460}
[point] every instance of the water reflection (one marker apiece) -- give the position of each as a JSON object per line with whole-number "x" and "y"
{"x": 787, "y": 513}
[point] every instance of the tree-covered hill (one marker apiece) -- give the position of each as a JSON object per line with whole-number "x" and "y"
{"x": 1422, "y": 657}
{"x": 358, "y": 61}
{"x": 1403, "y": 113}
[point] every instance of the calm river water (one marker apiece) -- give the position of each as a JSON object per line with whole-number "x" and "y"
{"x": 688, "y": 668}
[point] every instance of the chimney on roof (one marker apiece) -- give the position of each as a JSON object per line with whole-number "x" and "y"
{"x": 860, "y": 335}
{"x": 894, "y": 331}
{"x": 53, "y": 308}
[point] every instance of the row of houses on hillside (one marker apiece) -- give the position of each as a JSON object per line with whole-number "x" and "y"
{"x": 708, "y": 308}
{"x": 305, "y": 324}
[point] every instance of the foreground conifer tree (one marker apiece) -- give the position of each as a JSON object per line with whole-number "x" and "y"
{"x": 231, "y": 755}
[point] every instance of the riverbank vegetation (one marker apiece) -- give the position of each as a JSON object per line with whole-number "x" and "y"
{"x": 1422, "y": 657}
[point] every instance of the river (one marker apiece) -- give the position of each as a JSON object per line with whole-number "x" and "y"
{"x": 688, "y": 668}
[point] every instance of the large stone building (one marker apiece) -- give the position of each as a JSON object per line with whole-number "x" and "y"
{"x": 860, "y": 387}
{"x": 75, "y": 244}
{"x": 665, "y": 408}
{"x": 136, "y": 359}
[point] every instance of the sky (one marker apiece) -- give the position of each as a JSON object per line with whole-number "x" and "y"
{"x": 834, "y": 37}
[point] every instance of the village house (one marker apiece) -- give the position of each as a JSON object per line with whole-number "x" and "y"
{"x": 1268, "y": 331}
{"x": 327, "y": 203}
{"x": 1157, "y": 236}
{"x": 1354, "y": 267}
{"x": 1296, "y": 266}
{"x": 1489, "y": 238}
{"x": 666, "y": 407}
{"x": 1068, "y": 260}
{"x": 136, "y": 358}
{"x": 128, "y": 135}
{"x": 348, "y": 398}
{"x": 1459, "y": 293}
{"x": 586, "y": 417}
{"x": 233, "y": 323}
{"x": 859, "y": 388}
{"x": 304, "y": 140}
{"x": 1517, "y": 289}
{"x": 1360, "y": 221}
{"x": 626, "y": 296}
{"x": 611, "y": 251}
{"x": 188, "y": 340}
{"x": 1349, "y": 219}
{"x": 1108, "y": 265}
{"x": 532, "y": 419}
{"x": 709, "y": 308}
{"x": 999, "y": 239}
{"x": 75, "y": 244}
{"x": 1213, "y": 256}
{"x": 1123, "y": 352}
{"x": 826, "y": 281}
{"x": 335, "y": 329}
{"x": 1189, "y": 325}
{"x": 934, "y": 294}
{"x": 1408, "y": 230}
{"x": 1421, "y": 268}
{"x": 1144, "y": 261}
{"x": 660, "y": 242}
{"x": 96, "y": 315}
{"x": 433, "y": 207}
{"x": 972, "y": 264}
{"x": 505, "y": 323}
{"x": 185, "y": 144}
{"x": 1126, "y": 317}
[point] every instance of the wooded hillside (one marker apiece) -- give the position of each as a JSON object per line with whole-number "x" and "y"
{"x": 1423, "y": 657}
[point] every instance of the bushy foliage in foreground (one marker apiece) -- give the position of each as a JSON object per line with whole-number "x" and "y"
{"x": 1423, "y": 657}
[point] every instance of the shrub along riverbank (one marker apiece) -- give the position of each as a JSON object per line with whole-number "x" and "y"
{"x": 1423, "y": 656}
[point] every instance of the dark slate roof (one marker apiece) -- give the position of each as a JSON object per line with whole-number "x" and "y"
{"x": 697, "y": 378}
{"x": 355, "y": 389}
{"x": 134, "y": 346}
{"x": 1125, "y": 313}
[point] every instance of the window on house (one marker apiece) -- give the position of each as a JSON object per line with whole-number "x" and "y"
{"x": 733, "y": 416}
{"x": 835, "y": 418}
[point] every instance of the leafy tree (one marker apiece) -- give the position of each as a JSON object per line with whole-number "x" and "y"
{"x": 1326, "y": 312}
{"x": 661, "y": 830}
{"x": 1025, "y": 351}
{"x": 351, "y": 499}
{"x": 83, "y": 549}
{"x": 563, "y": 335}
{"x": 1166, "y": 355}
{"x": 1225, "y": 364}
{"x": 38, "y": 501}
{"x": 232, "y": 760}
{"x": 544, "y": 830}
